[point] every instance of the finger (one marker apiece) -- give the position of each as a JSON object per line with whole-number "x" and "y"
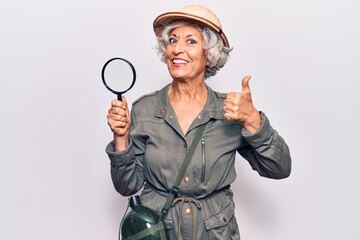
{"x": 229, "y": 116}
{"x": 230, "y": 109}
{"x": 245, "y": 82}
{"x": 117, "y": 111}
{"x": 117, "y": 103}
{"x": 116, "y": 124}
{"x": 118, "y": 117}
{"x": 232, "y": 97}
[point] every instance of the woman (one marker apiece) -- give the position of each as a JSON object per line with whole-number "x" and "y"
{"x": 150, "y": 145}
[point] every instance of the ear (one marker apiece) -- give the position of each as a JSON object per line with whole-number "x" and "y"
{"x": 207, "y": 64}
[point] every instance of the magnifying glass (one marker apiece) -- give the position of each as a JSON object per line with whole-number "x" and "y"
{"x": 118, "y": 76}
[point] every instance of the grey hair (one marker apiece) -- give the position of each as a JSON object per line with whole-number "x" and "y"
{"x": 216, "y": 52}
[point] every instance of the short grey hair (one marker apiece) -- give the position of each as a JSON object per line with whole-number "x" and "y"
{"x": 216, "y": 52}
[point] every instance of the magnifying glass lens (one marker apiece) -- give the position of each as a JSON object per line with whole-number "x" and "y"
{"x": 118, "y": 75}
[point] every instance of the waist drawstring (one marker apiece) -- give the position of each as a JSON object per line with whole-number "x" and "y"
{"x": 191, "y": 202}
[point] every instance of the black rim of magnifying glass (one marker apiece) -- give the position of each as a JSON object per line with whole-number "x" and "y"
{"x": 119, "y": 93}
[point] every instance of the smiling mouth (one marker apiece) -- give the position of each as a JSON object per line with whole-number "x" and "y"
{"x": 179, "y": 61}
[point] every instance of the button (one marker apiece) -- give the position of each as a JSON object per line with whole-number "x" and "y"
{"x": 186, "y": 179}
{"x": 200, "y": 117}
{"x": 188, "y": 210}
{"x": 171, "y": 116}
{"x": 162, "y": 110}
{"x": 185, "y": 145}
{"x": 224, "y": 219}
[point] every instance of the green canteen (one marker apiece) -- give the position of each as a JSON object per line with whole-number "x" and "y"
{"x": 142, "y": 223}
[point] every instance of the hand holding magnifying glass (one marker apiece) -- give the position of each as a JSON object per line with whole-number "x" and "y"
{"x": 118, "y": 76}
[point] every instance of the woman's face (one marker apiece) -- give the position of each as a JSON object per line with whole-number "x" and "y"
{"x": 185, "y": 57}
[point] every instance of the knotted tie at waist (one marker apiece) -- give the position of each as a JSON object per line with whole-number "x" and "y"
{"x": 191, "y": 202}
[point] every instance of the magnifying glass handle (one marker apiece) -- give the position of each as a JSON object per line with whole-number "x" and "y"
{"x": 119, "y": 97}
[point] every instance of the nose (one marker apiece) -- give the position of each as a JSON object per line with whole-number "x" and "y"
{"x": 179, "y": 47}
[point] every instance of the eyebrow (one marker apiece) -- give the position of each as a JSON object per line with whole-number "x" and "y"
{"x": 189, "y": 35}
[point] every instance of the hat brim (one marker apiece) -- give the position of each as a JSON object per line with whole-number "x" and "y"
{"x": 162, "y": 20}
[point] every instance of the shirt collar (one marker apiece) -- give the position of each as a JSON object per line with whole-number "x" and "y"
{"x": 213, "y": 107}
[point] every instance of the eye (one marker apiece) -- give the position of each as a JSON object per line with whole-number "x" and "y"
{"x": 172, "y": 40}
{"x": 191, "y": 41}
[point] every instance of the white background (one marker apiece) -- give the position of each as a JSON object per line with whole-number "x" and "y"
{"x": 54, "y": 175}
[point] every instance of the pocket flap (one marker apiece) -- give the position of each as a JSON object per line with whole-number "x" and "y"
{"x": 168, "y": 222}
{"x": 221, "y": 218}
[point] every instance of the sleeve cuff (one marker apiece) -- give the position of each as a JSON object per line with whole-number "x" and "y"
{"x": 261, "y": 135}
{"x": 121, "y": 158}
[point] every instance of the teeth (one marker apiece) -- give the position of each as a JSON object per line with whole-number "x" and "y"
{"x": 179, "y": 61}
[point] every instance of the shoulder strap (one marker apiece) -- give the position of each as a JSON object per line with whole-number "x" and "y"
{"x": 175, "y": 189}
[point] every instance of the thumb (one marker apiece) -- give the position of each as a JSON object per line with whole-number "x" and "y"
{"x": 123, "y": 99}
{"x": 126, "y": 107}
{"x": 245, "y": 82}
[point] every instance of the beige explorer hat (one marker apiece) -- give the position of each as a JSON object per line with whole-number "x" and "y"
{"x": 193, "y": 13}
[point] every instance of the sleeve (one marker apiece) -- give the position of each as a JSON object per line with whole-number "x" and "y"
{"x": 267, "y": 152}
{"x": 127, "y": 172}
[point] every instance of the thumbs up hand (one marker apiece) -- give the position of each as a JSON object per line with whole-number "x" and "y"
{"x": 238, "y": 106}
